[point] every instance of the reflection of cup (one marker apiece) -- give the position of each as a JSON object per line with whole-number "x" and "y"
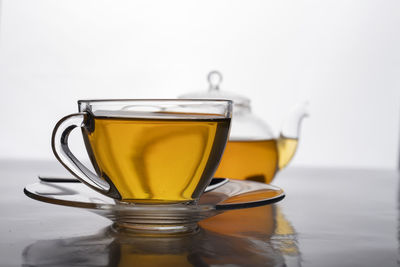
{"x": 147, "y": 151}
{"x": 109, "y": 248}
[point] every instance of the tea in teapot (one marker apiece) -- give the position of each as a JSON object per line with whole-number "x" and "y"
{"x": 256, "y": 160}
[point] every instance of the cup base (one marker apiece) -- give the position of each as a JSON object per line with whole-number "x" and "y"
{"x": 155, "y": 229}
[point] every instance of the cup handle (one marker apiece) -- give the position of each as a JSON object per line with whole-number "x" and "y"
{"x": 59, "y": 144}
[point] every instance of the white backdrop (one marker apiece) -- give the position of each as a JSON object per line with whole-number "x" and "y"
{"x": 342, "y": 56}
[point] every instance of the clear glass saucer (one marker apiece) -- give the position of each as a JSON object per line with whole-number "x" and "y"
{"x": 157, "y": 219}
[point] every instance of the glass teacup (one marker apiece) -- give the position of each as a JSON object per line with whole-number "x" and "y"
{"x": 147, "y": 151}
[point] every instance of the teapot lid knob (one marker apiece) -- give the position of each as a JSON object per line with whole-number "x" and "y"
{"x": 214, "y": 79}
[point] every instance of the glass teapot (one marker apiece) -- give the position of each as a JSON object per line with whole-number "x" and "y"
{"x": 253, "y": 152}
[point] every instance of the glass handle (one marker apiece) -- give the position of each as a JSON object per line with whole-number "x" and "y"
{"x": 59, "y": 143}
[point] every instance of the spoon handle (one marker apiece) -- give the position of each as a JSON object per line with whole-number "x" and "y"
{"x": 54, "y": 179}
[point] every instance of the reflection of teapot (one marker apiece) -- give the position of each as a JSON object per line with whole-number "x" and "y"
{"x": 253, "y": 152}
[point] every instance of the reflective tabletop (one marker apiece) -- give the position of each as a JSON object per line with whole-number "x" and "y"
{"x": 330, "y": 217}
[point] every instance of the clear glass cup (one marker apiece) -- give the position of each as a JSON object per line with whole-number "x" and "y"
{"x": 145, "y": 151}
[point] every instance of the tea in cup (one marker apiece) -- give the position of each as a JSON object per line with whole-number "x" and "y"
{"x": 147, "y": 151}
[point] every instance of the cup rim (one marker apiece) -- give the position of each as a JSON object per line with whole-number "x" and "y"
{"x": 108, "y": 100}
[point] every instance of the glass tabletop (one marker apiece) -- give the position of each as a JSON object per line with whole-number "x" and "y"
{"x": 330, "y": 217}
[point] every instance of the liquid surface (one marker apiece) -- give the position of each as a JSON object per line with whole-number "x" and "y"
{"x": 256, "y": 160}
{"x": 156, "y": 161}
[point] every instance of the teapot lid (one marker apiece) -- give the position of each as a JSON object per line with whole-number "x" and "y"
{"x": 214, "y": 80}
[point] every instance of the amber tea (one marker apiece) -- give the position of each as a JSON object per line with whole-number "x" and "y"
{"x": 150, "y": 160}
{"x": 256, "y": 160}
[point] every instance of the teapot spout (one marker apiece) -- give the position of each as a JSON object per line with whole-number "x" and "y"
{"x": 288, "y": 139}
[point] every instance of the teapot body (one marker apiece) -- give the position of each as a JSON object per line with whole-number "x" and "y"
{"x": 253, "y": 152}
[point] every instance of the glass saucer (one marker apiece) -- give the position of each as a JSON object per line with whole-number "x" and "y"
{"x": 157, "y": 219}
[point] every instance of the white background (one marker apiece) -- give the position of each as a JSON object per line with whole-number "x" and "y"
{"x": 341, "y": 56}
